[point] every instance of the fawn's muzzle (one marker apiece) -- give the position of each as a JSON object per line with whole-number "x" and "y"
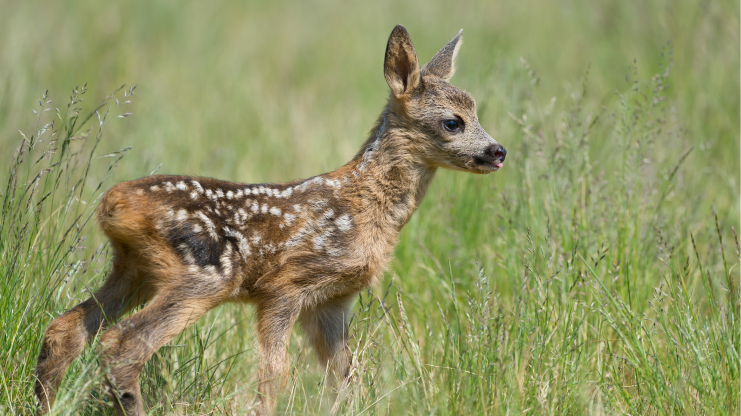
{"x": 496, "y": 151}
{"x": 492, "y": 157}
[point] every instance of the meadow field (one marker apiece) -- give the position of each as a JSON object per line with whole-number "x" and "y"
{"x": 596, "y": 273}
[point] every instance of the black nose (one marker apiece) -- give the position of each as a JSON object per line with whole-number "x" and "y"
{"x": 496, "y": 151}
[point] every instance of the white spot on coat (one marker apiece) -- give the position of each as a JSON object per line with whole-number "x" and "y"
{"x": 317, "y": 204}
{"x": 243, "y": 214}
{"x": 198, "y": 186}
{"x": 182, "y": 215}
{"x": 275, "y": 211}
{"x": 296, "y": 239}
{"x": 344, "y": 222}
{"x": 226, "y": 260}
{"x": 334, "y": 184}
{"x": 319, "y": 241}
{"x": 209, "y": 225}
{"x": 243, "y": 245}
{"x": 210, "y": 272}
{"x": 187, "y": 255}
{"x": 181, "y": 185}
{"x": 256, "y": 238}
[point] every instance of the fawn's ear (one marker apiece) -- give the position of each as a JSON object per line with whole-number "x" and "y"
{"x": 401, "y": 67}
{"x": 442, "y": 65}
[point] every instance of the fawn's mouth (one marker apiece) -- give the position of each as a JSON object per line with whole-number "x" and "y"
{"x": 488, "y": 163}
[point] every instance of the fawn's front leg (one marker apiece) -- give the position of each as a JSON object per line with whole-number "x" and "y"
{"x": 275, "y": 320}
{"x": 326, "y": 326}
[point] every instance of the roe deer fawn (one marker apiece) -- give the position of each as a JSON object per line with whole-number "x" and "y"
{"x": 297, "y": 251}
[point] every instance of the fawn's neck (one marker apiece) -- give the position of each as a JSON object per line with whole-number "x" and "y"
{"x": 390, "y": 177}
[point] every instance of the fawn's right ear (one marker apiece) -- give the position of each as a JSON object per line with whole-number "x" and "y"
{"x": 442, "y": 65}
{"x": 401, "y": 67}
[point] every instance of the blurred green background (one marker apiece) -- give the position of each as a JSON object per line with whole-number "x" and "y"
{"x": 225, "y": 86}
{"x": 256, "y": 91}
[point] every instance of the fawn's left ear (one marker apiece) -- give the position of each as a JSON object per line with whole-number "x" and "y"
{"x": 442, "y": 65}
{"x": 401, "y": 67}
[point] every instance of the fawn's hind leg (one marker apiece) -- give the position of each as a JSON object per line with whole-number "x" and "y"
{"x": 67, "y": 334}
{"x": 128, "y": 345}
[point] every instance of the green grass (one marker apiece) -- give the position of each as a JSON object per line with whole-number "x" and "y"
{"x": 597, "y": 273}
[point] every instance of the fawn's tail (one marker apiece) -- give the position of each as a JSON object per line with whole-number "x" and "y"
{"x": 125, "y": 215}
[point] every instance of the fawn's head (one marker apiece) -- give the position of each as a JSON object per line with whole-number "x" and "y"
{"x": 440, "y": 118}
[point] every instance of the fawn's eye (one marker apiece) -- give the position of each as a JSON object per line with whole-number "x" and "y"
{"x": 451, "y": 125}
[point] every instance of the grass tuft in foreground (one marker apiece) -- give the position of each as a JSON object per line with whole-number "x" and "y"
{"x": 47, "y": 206}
